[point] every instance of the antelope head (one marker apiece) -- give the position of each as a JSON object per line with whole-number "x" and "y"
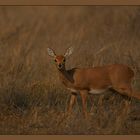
{"x": 60, "y": 59}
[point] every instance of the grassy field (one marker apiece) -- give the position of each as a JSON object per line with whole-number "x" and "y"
{"x": 33, "y": 100}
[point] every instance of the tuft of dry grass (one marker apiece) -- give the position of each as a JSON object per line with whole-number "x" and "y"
{"x": 33, "y": 100}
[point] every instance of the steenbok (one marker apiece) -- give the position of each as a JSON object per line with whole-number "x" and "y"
{"x": 94, "y": 80}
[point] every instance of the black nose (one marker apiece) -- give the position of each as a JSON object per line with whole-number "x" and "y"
{"x": 59, "y": 65}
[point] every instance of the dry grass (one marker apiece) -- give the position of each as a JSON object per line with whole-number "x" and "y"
{"x": 32, "y": 99}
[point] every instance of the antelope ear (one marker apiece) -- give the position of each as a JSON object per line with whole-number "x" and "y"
{"x": 51, "y": 52}
{"x": 68, "y": 52}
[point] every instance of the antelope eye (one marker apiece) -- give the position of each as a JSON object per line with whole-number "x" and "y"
{"x": 55, "y": 60}
{"x": 64, "y": 60}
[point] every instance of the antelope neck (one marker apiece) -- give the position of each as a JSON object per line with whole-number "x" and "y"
{"x": 65, "y": 77}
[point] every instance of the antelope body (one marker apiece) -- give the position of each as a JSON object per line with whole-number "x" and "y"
{"x": 94, "y": 80}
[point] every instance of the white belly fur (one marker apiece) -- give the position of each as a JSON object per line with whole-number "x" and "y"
{"x": 97, "y": 91}
{"x": 72, "y": 90}
{"x": 92, "y": 91}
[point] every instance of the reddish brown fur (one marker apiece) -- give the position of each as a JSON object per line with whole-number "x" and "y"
{"x": 82, "y": 80}
{"x": 59, "y": 58}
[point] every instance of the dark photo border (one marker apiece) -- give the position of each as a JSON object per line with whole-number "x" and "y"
{"x": 68, "y": 2}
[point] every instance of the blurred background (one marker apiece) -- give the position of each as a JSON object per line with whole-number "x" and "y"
{"x": 33, "y": 100}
